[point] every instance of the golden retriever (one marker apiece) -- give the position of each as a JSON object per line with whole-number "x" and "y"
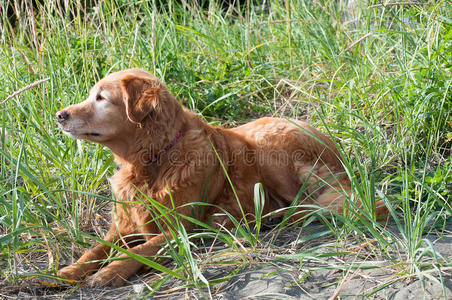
{"x": 170, "y": 155}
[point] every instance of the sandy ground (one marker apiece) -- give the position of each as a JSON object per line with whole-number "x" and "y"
{"x": 267, "y": 276}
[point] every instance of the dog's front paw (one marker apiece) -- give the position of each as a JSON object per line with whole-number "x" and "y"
{"x": 71, "y": 274}
{"x": 106, "y": 277}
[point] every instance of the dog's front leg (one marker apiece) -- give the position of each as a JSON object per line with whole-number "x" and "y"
{"x": 91, "y": 260}
{"x": 117, "y": 272}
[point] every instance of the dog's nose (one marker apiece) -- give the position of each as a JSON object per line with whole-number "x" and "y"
{"x": 62, "y": 116}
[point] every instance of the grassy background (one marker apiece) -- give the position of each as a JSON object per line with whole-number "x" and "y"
{"x": 376, "y": 78}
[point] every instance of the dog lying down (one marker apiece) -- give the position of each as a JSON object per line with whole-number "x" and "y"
{"x": 170, "y": 155}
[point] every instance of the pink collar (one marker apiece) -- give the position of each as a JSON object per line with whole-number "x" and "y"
{"x": 168, "y": 147}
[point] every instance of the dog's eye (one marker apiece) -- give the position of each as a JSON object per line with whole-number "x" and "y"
{"x": 99, "y": 97}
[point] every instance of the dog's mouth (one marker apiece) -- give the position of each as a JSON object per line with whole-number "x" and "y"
{"x": 81, "y": 135}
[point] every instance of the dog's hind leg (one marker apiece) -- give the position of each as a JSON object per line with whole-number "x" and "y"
{"x": 337, "y": 197}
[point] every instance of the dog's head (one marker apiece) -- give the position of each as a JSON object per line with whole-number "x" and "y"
{"x": 116, "y": 106}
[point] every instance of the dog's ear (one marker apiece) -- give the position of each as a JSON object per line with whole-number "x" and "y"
{"x": 141, "y": 96}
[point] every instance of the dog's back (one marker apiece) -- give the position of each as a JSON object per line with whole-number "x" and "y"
{"x": 292, "y": 155}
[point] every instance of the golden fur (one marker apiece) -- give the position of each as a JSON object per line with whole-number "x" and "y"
{"x": 133, "y": 113}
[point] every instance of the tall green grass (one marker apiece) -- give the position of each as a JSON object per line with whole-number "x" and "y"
{"x": 376, "y": 78}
